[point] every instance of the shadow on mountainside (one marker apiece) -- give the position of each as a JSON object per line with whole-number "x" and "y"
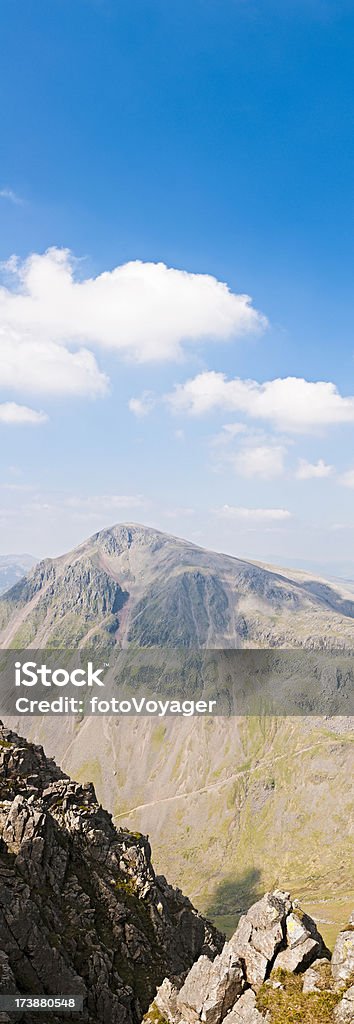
{"x": 232, "y": 897}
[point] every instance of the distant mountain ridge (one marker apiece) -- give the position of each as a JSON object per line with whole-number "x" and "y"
{"x": 131, "y": 584}
{"x": 13, "y": 568}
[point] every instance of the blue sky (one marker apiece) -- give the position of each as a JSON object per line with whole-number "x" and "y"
{"x": 214, "y": 137}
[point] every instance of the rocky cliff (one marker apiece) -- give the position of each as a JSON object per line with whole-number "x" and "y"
{"x": 275, "y": 968}
{"x": 81, "y": 909}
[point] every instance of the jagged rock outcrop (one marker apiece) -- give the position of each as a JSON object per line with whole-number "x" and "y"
{"x": 260, "y": 934}
{"x": 273, "y": 945}
{"x": 81, "y": 910}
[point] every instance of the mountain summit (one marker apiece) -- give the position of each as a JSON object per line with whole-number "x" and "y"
{"x": 133, "y": 584}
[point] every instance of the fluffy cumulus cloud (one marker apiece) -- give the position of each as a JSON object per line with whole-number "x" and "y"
{"x": 289, "y": 403}
{"x": 144, "y": 311}
{"x": 20, "y": 415}
{"x": 253, "y": 515}
{"x": 313, "y": 470}
{"x": 32, "y": 366}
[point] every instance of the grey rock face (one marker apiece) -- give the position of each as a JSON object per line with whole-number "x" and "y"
{"x": 211, "y": 988}
{"x": 344, "y": 1012}
{"x": 312, "y": 977}
{"x": 343, "y": 956}
{"x": 81, "y": 910}
{"x": 304, "y": 944}
{"x": 166, "y": 1000}
{"x": 245, "y": 1011}
{"x": 225, "y": 990}
{"x": 260, "y": 934}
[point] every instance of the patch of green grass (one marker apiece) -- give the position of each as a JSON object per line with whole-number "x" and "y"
{"x": 290, "y": 1005}
{"x": 154, "y": 1016}
{"x": 125, "y": 887}
{"x": 158, "y": 736}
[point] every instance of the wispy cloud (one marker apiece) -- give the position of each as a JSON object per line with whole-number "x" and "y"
{"x": 11, "y": 196}
{"x": 348, "y": 478}
{"x": 180, "y": 510}
{"x": 263, "y": 461}
{"x": 249, "y": 453}
{"x": 253, "y": 515}
{"x": 20, "y": 415}
{"x": 94, "y": 503}
{"x": 141, "y": 407}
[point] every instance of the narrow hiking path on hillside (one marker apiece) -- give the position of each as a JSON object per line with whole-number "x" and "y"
{"x": 266, "y": 764}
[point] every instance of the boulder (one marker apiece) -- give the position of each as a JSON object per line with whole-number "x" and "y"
{"x": 304, "y": 944}
{"x": 260, "y": 934}
{"x": 211, "y": 988}
{"x": 343, "y": 956}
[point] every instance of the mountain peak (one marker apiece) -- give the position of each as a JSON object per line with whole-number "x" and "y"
{"x": 134, "y": 584}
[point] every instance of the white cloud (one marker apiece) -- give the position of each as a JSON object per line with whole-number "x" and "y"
{"x": 11, "y": 413}
{"x": 253, "y": 515}
{"x": 231, "y": 430}
{"x": 263, "y": 461}
{"x": 104, "y": 502}
{"x": 141, "y": 407}
{"x": 93, "y": 510}
{"x": 290, "y": 403}
{"x": 348, "y": 478}
{"x": 8, "y": 193}
{"x": 144, "y": 311}
{"x": 312, "y": 470}
{"x": 45, "y": 367}
{"x": 250, "y": 453}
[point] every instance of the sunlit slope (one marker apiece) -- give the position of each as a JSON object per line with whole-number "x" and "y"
{"x": 232, "y": 807}
{"x": 135, "y": 585}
